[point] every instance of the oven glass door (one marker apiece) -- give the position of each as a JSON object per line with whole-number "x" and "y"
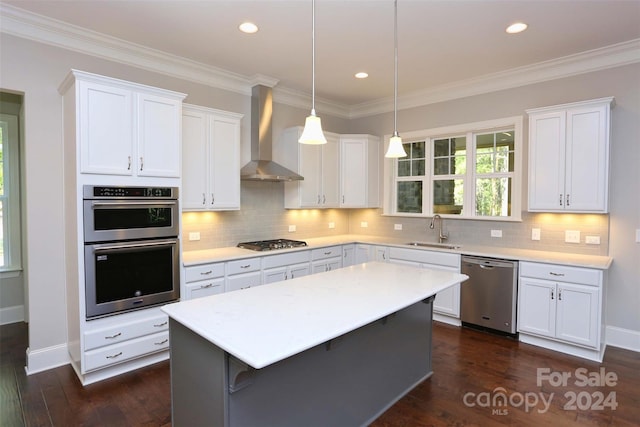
{"x": 117, "y": 220}
{"x": 125, "y": 276}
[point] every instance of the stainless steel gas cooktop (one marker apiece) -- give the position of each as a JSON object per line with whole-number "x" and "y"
{"x": 268, "y": 245}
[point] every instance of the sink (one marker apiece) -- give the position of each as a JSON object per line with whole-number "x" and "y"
{"x": 434, "y": 245}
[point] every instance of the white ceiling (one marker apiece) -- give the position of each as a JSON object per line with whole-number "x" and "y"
{"x": 440, "y": 42}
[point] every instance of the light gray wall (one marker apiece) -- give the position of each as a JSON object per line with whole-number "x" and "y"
{"x": 623, "y": 83}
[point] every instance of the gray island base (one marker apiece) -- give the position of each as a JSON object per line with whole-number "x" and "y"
{"x": 348, "y": 379}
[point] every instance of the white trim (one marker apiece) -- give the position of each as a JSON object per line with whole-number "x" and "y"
{"x": 46, "y": 358}
{"x": 27, "y": 25}
{"x": 12, "y": 314}
{"x": 623, "y": 338}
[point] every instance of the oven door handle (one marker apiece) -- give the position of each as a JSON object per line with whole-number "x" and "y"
{"x": 131, "y": 204}
{"x": 106, "y": 247}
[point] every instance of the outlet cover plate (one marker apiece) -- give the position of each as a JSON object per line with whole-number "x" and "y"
{"x": 535, "y": 234}
{"x": 572, "y": 236}
{"x": 397, "y": 226}
{"x": 364, "y": 224}
{"x": 496, "y": 233}
{"x": 292, "y": 228}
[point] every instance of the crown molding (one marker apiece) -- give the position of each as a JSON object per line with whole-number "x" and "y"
{"x": 27, "y": 25}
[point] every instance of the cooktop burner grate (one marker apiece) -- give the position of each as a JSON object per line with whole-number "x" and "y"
{"x": 268, "y": 245}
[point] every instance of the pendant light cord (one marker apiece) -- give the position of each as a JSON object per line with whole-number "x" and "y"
{"x": 395, "y": 71}
{"x": 313, "y": 57}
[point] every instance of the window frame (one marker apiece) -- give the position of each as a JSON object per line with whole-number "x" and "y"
{"x": 12, "y": 261}
{"x": 470, "y": 130}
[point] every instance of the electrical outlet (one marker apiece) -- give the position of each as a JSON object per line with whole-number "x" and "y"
{"x": 397, "y": 227}
{"x": 194, "y": 235}
{"x": 572, "y": 236}
{"x": 332, "y": 224}
{"x": 292, "y": 228}
{"x": 364, "y": 224}
{"x": 496, "y": 233}
{"x": 535, "y": 234}
{"x": 592, "y": 240}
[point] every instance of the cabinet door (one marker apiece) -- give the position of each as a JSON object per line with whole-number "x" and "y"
{"x": 587, "y": 159}
{"x": 354, "y": 173}
{"x": 272, "y": 275}
{"x": 194, "y": 160}
{"x": 299, "y": 270}
{"x": 547, "y": 133}
{"x": 348, "y": 255}
{"x": 224, "y": 160}
{"x": 311, "y": 170}
{"x": 447, "y": 301}
{"x": 363, "y": 254}
{"x": 381, "y": 253}
{"x": 331, "y": 173}
{"x": 159, "y": 134}
{"x": 537, "y": 307}
{"x": 105, "y": 120}
{"x": 578, "y": 314}
{"x": 334, "y": 264}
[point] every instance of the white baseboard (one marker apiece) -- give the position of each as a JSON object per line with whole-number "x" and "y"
{"x": 623, "y": 338}
{"x": 47, "y": 358}
{"x": 11, "y": 314}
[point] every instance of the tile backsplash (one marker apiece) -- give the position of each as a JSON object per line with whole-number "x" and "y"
{"x": 263, "y": 217}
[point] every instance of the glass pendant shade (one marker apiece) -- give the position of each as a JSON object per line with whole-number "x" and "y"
{"x": 312, "y": 132}
{"x": 396, "y": 149}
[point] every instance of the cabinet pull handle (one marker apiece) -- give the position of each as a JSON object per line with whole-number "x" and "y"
{"x": 113, "y": 336}
{"x": 206, "y": 273}
{"x": 161, "y": 342}
{"x": 113, "y": 356}
{"x": 246, "y": 287}
{"x": 141, "y": 163}
{"x": 208, "y": 285}
{"x": 556, "y": 274}
{"x": 160, "y": 325}
{"x": 343, "y": 198}
{"x": 318, "y": 199}
{"x": 567, "y": 200}
{"x": 561, "y": 200}
{"x": 324, "y": 199}
{"x": 129, "y": 163}
{"x": 328, "y": 253}
{"x": 204, "y": 199}
{"x": 213, "y": 199}
{"x": 245, "y": 266}
{"x": 552, "y": 293}
{"x": 559, "y": 294}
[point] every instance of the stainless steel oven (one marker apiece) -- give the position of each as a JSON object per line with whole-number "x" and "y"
{"x": 132, "y": 248}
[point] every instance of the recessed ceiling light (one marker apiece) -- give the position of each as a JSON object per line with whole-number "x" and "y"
{"x": 518, "y": 27}
{"x": 248, "y": 27}
{"x": 361, "y": 75}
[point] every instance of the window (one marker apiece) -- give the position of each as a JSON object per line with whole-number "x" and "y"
{"x": 466, "y": 171}
{"x": 9, "y": 194}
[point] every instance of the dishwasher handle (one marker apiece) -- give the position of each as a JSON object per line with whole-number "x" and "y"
{"x": 488, "y": 263}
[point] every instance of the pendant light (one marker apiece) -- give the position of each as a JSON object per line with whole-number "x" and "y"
{"x": 312, "y": 132}
{"x": 396, "y": 148}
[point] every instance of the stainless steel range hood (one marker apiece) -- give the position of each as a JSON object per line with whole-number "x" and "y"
{"x": 262, "y": 167}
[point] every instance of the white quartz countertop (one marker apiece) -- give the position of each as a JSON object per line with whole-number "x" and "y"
{"x": 562, "y": 258}
{"x": 265, "y": 324}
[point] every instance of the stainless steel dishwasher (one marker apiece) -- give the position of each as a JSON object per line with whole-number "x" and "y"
{"x": 488, "y": 299}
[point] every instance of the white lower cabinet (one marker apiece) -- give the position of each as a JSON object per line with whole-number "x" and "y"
{"x": 326, "y": 259}
{"x": 276, "y": 268}
{"x": 447, "y": 302}
{"x": 243, "y": 274}
{"x": 560, "y": 307}
{"x": 204, "y": 280}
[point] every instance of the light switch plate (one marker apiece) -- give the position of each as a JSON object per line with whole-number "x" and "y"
{"x": 535, "y": 234}
{"x": 572, "y": 236}
{"x": 292, "y": 228}
{"x": 332, "y": 224}
{"x": 592, "y": 240}
{"x": 496, "y": 233}
{"x": 364, "y": 224}
{"x": 397, "y": 226}
{"x": 194, "y": 235}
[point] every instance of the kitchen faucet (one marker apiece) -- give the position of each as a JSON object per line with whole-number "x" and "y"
{"x": 441, "y": 236}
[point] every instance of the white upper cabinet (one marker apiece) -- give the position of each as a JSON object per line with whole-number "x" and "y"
{"x": 569, "y": 157}
{"x": 124, "y": 128}
{"x": 342, "y": 173}
{"x": 210, "y": 159}
{"x": 359, "y": 167}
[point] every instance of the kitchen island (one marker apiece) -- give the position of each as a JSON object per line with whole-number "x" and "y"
{"x": 336, "y": 348}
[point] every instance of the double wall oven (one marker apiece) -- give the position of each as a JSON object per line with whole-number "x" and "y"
{"x": 131, "y": 248}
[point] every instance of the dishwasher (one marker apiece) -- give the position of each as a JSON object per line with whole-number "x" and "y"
{"x": 488, "y": 298}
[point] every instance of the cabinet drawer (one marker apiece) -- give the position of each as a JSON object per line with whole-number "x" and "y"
{"x": 204, "y": 288}
{"x": 126, "y": 331}
{"x": 561, "y": 273}
{"x": 244, "y": 281}
{"x": 285, "y": 259}
{"x": 202, "y": 272}
{"x": 127, "y": 350}
{"x": 324, "y": 253}
{"x": 243, "y": 265}
{"x": 425, "y": 257}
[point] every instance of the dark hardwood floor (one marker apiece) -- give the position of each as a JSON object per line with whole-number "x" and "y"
{"x": 471, "y": 370}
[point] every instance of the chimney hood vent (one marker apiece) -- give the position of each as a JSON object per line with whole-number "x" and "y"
{"x": 262, "y": 167}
